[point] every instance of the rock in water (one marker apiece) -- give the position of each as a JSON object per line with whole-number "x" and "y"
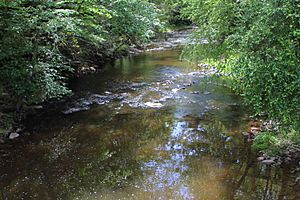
{"x": 154, "y": 105}
{"x": 261, "y": 158}
{"x": 268, "y": 162}
{"x": 175, "y": 90}
{"x": 13, "y": 135}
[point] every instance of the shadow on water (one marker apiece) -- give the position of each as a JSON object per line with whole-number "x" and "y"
{"x": 147, "y": 127}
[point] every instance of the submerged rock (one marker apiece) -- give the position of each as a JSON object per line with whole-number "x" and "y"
{"x": 268, "y": 162}
{"x": 99, "y": 99}
{"x": 261, "y": 158}
{"x": 175, "y": 90}
{"x": 153, "y": 105}
{"x": 73, "y": 110}
{"x": 13, "y": 135}
{"x": 83, "y": 104}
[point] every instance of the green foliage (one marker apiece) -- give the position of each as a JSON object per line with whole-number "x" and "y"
{"x": 133, "y": 21}
{"x": 266, "y": 142}
{"x": 39, "y": 39}
{"x": 216, "y": 21}
{"x": 172, "y": 13}
{"x": 259, "y": 40}
{"x": 31, "y": 66}
{"x": 258, "y": 44}
{"x": 268, "y": 65}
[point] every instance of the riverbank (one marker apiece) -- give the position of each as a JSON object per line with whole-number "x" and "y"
{"x": 44, "y": 43}
{"x": 11, "y": 121}
{"x": 262, "y": 135}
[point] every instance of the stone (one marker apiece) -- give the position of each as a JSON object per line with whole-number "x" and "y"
{"x": 13, "y": 135}
{"x": 261, "y": 158}
{"x": 175, "y": 90}
{"x": 268, "y": 162}
{"x": 19, "y": 130}
{"x": 38, "y": 107}
{"x": 255, "y": 129}
{"x": 287, "y": 159}
{"x": 187, "y": 84}
{"x": 153, "y": 105}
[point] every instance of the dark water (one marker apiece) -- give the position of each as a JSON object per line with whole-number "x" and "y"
{"x": 147, "y": 127}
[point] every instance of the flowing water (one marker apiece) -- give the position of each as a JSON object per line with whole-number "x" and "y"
{"x": 146, "y": 127}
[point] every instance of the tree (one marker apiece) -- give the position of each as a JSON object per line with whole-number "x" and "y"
{"x": 258, "y": 44}
{"x": 40, "y": 41}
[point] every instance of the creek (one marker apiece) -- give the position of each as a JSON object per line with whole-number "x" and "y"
{"x": 147, "y": 126}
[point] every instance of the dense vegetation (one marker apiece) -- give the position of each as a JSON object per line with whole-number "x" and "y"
{"x": 258, "y": 44}
{"x": 43, "y": 41}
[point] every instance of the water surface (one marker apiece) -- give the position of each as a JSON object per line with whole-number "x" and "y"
{"x": 146, "y": 127}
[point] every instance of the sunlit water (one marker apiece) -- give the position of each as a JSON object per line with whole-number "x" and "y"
{"x": 146, "y": 127}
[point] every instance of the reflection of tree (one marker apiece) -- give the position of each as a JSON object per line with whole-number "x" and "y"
{"x": 242, "y": 177}
{"x": 237, "y": 184}
{"x": 218, "y": 142}
{"x": 108, "y": 152}
{"x": 113, "y": 161}
{"x": 100, "y": 153}
{"x": 284, "y": 183}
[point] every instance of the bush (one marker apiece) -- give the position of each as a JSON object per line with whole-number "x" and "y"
{"x": 258, "y": 44}
{"x": 39, "y": 39}
{"x": 31, "y": 66}
{"x": 266, "y": 142}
